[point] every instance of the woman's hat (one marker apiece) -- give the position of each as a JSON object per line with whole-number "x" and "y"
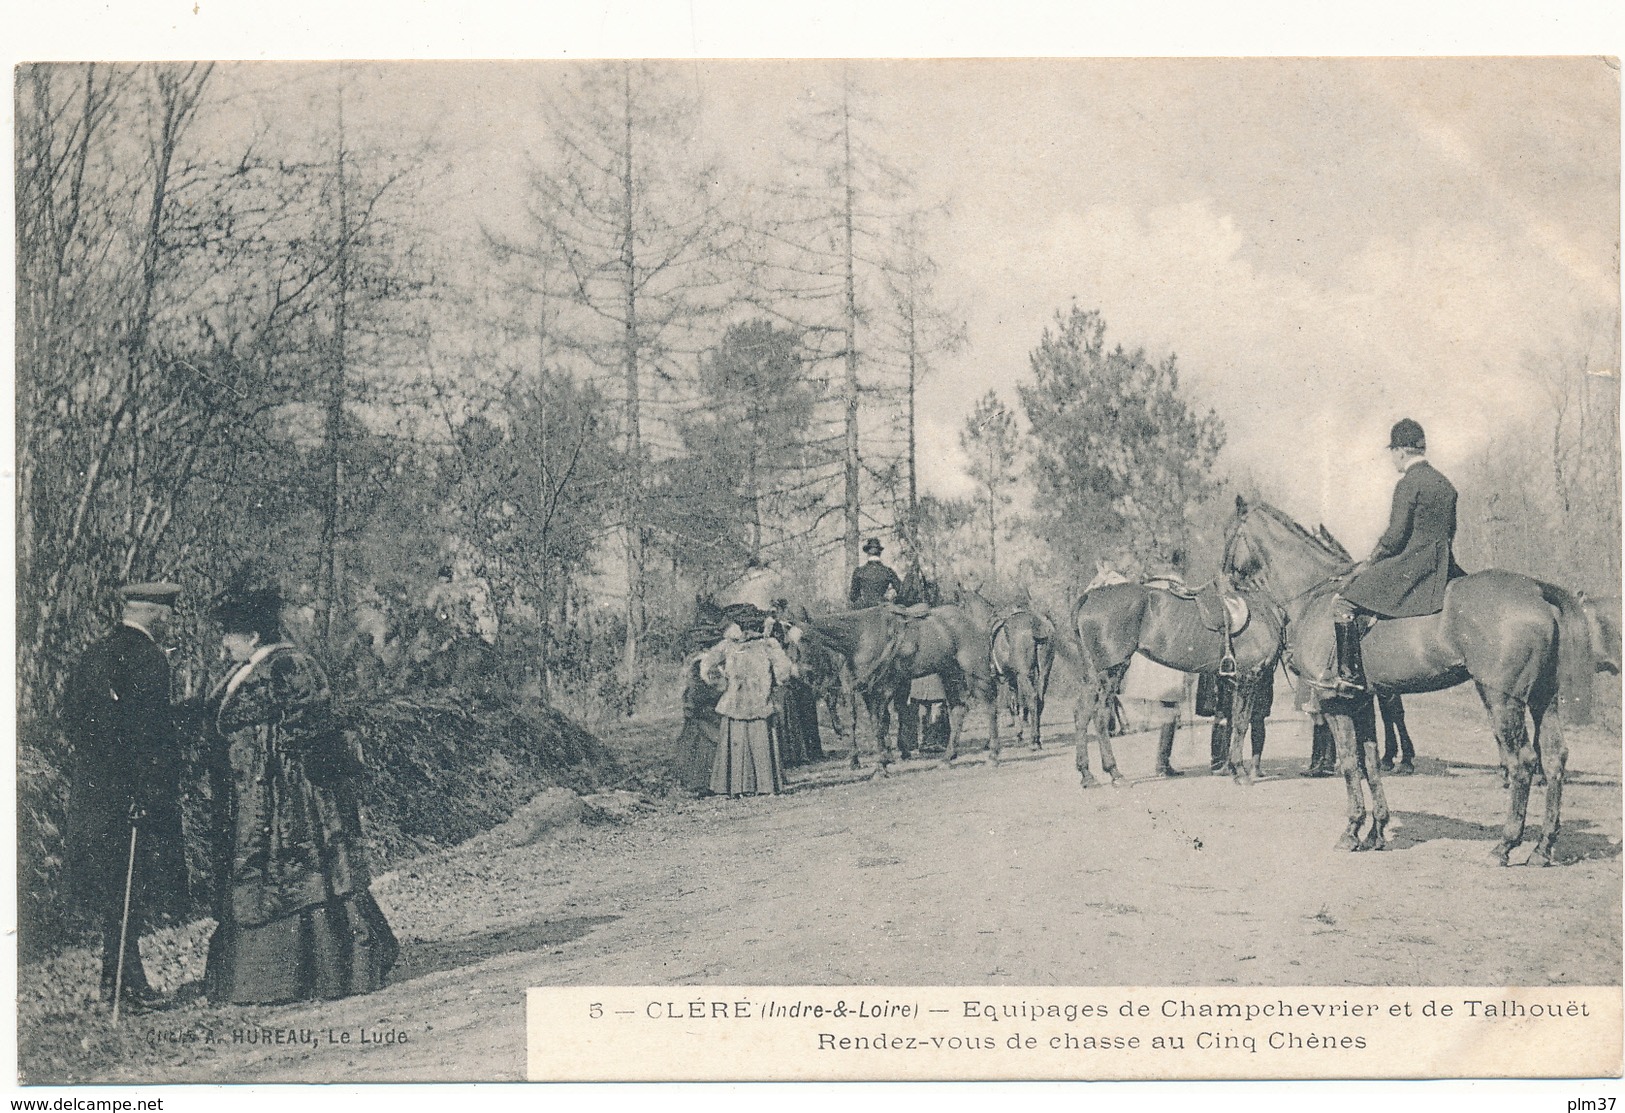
{"x": 246, "y": 604}
{"x": 873, "y": 546}
{"x": 1407, "y": 434}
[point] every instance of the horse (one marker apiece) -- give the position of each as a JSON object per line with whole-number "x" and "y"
{"x": 1523, "y": 643}
{"x": 1113, "y": 622}
{"x": 886, "y": 650}
{"x": 1020, "y": 654}
{"x": 824, "y": 671}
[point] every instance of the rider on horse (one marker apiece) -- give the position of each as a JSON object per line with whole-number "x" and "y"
{"x": 1407, "y": 572}
{"x": 873, "y": 582}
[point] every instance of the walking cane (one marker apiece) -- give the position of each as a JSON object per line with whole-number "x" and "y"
{"x": 124, "y": 929}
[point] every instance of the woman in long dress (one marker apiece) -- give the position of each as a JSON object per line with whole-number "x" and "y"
{"x": 296, "y": 919}
{"x": 702, "y": 729}
{"x": 800, "y": 742}
{"x": 750, "y": 668}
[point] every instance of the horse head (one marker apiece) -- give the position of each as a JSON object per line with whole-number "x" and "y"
{"x": 1265, "y": 550}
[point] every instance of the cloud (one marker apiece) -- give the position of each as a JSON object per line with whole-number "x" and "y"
{"x": 1308, "y": 367}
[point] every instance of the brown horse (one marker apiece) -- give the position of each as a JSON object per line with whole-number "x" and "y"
{"x": 1113, "y": 622}
{"x": 1524, "y": 644}
{"x": 1021, "y": 653}
{"x": 887, "y": 650}
{"x": 825, "y": 672}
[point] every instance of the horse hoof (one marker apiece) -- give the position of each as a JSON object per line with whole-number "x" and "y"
{"x": 1088, "y": 783}
{"x": 1500, "y": 855}
{"x": 1347, "y": 842}
{"x": 880, "y": 772}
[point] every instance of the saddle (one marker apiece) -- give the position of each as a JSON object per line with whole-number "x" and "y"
{"x": 912, "y": 611}
{"x": 1222, "y": 611}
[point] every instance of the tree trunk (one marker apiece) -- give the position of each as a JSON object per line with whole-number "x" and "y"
{"x": 332, "y": 516}
{"x": 853, "y": 460}
{"x": 634, "y": 432}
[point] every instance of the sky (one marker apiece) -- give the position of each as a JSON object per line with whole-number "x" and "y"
{"x": 1326, "y": 244}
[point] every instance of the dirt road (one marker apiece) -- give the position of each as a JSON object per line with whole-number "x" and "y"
{"x": 964, "y": 875}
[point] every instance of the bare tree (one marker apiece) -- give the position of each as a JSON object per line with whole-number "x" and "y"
{"x": 626, "y": 213}
{"x": 823, "y": 250}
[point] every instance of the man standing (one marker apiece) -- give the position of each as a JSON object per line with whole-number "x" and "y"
{"x": 1413, "y": 561}
{"x": 126, "y": 761}
{"x": 873, "y": 582}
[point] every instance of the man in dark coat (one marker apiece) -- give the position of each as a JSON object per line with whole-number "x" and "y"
{"x": 1407, "y": 572}
{"x": 873, "y": 581}
{"x": 126, "y": 771}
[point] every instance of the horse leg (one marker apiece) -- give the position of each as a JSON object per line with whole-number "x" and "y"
{"x": 1092, "y": 720}
{"x": 1518, "y": 759}
{"x": 1038, "y": 713}
{"x": 910, "y": 734}
{"x": 1241, "y": 714}
{"x": 1550, "y": 746}
{"x": 1390, "y": 735}
{"x": 955, "y": 711}
{"x": 1023, "y": 687}
{"x": 1258, "y": 726}
{"x": 1407, "y": 748}
{"x": 1349, "y": 761}
{"x": 852, "y": 716}
{"x": 994, "y": 746}
{"x": 1365, "y": 732}
{"x": 1083, "y": 713}
{"x": 1082, "y": 708}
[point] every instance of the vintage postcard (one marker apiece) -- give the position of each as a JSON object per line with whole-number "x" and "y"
{"x": 817, "y": 570}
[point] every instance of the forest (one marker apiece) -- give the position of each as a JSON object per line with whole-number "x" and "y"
{"x": 249, "y": 348}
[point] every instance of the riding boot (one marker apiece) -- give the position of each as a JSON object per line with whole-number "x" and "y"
{"x": 1165, "y": 751}
{"x": 1219, "y": 747}
{"x": 1322, "y": 753}
{"x": 1350, "y": 665}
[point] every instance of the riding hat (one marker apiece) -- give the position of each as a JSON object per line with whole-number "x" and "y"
{"x": 162, "y": 593}
{"x": 1407, "y": 434}
{"x": 872, "y": 546}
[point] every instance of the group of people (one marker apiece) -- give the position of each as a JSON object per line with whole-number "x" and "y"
{"x": 748, "y": 709}
{"x": 294, "y": 915}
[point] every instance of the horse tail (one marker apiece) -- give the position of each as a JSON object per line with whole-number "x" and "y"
{"x": 1576, "y": 667}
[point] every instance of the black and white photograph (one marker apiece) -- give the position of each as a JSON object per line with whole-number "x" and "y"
{"x": 1082, "y": 523}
